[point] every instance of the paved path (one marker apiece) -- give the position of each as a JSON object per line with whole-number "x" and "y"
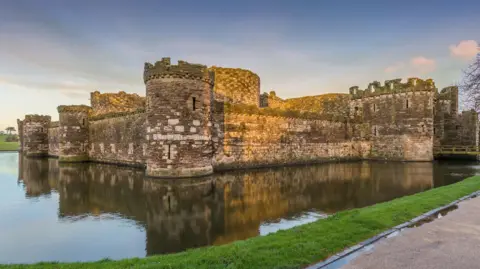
{"x": 452, "y": 241}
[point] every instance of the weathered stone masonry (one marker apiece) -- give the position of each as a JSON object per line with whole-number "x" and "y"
{"x": 196, "y": 119}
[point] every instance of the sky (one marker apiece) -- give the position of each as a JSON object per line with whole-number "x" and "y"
{"x": 55, "y": 52}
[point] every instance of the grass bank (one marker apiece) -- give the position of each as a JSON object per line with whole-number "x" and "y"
{"x": 7, "y": 146}
{"x": 299, "y": 246}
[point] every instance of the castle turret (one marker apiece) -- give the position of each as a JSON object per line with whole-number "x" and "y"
{"x": 178, "y": 119}
{"x": 35, "y": 135}
{"x": 73, "y": 133}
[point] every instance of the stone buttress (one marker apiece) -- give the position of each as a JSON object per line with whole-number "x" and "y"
{"x": 179, "y": 119}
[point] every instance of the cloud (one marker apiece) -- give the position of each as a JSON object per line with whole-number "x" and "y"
{"x": 394, "y": 68}
{"x": 416, "y": 65}
{"x": 423, "y": 65}
{"x": 465, "y": 50}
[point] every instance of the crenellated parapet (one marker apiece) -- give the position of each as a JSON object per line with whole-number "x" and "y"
{"x": 184, "y": 70}
{"x": 113, "y": 103}
{"x": 37, "y": 118}
{"x": 393, "y": 86}
{"x": 74, "y": 108}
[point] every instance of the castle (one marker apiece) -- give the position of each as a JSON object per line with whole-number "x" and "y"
{"x": 196, "y": 119}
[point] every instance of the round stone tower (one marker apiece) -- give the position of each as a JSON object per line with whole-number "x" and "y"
{"x": 73, "y": 133}
{"x": 179, "y": 139}
{"x": 35, "y": 135}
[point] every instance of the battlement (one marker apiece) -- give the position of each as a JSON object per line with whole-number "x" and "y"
{"x": 392, "y": 87}
{"x": 108, "y": 103}
{"x": 185, "y": 70}
{"x": 37, "y": 118}
{"x": 233, "y": 71}
{"x": 74, "y": 108}
{"x": 54, "y": 124}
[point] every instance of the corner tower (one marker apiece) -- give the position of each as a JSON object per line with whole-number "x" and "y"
{"x": 35, "y": 135}
{"x": 73, "y": 133}
{"x": 179, "y": 119}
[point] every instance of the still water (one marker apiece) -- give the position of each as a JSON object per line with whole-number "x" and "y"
{"x": 86, "y": 212}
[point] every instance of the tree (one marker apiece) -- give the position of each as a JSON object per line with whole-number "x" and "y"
{"x": 10, "y": 130}
{"x": 470, "y": 85}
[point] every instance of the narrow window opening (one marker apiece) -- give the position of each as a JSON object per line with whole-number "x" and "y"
{"x": 375, "y": 131}
{"x": 169, "y": 155}
{"x": 406, "y": 103}
{"x": 457, "y": 127}
{"x": 423, "y": 128}
{"x": 434, "y": 130}
{"x": 83, "y": 122}
{"x": 193, "y": 103}
{"x": 169, "y": 207}
{"x": 356, "y": 108}
{"x": 374, "y": 107}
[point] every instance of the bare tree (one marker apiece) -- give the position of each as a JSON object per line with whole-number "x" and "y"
{"x": 470, "y": 85}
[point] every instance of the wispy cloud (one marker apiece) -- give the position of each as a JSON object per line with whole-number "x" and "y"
{"x": 465, "y": 49}
{"x": 394, "y": 68}
{"x": 423, "y": 65}
{"x": 419, "y": 65}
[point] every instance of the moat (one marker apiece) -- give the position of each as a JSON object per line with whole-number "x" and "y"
{"x": 87, "y": 212}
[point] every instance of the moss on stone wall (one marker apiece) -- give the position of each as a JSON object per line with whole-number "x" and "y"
{"x": 235, "y": 85}
{"x": 74, "y": 108}
{"x": 105, "y": 103}
{"x": 116, "y": 114}
{"x": 327, "y": 105}
{"x": 279, "y": 112}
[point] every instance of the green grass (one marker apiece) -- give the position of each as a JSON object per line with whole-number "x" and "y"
{"x": 7, "y": 146}
{"x": 299, "y": 246}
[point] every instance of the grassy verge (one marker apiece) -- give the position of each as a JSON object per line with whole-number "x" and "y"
{"x": 7, "y": 146}
{"x": 299, "y": 246}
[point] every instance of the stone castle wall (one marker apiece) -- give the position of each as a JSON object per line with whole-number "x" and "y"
{"x": 118, "y": 139}
{"x": 325, "y": 104}
{"x": 195, "y": 119}
{"x": 107, "y": 103}
{"x": 35, "y": 132}
{"x": 398, "y": 117}
{"x": 54, "y": 139}
{"x": 235, "y": 85}
{"x": 258, "y": 140}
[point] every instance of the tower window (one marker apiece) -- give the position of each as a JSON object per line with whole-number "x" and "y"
{"x": 169, "y": 155}
{"x": 194, "y": 100}
{"x": 374, "y": 131}
{"x": 83, "y": 122}
{"x": 406, "y": 103}
{"x": 434, "y": 130}
{"x": 356, "y": 108}
{"x": 374, "y": 107}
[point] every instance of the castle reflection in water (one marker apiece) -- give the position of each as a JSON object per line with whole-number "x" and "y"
{"x": 187, "y": 213}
